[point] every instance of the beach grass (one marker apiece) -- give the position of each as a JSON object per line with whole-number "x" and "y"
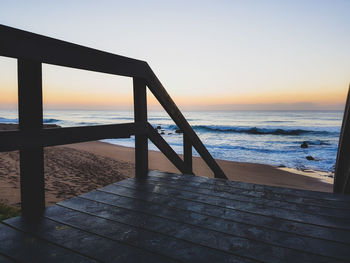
{"x": 8, "y": 211}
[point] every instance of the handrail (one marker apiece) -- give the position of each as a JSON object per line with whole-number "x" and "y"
{"x": 17, "y": 43}
{"x": 32, "y": 50}
{"x": 17, "y": 139}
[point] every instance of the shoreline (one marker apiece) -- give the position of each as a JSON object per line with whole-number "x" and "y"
{"x": 73, "y": 169}
{"x": 306, "y": 172}
{"x": 235, "y": 171}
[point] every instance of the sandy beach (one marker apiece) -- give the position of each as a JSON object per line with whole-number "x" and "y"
{"x": 74, "y": 169}
{"x": 235, "y": 171}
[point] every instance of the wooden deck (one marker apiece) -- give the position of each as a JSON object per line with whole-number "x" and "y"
{"x": 183, "y": 218}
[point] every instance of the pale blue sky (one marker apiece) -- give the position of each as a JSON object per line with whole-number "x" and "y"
{"x": 206, "y": 52}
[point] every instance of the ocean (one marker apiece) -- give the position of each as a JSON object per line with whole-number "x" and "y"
{"x": 266, "y": 137}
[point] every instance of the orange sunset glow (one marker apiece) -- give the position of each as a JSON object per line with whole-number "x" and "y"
{"x": 208, "y": 57}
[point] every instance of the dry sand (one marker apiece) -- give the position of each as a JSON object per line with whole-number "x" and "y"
{"x": 236, "y": 171}
{"x": 73, "y": 169}
{"x": 68, "y": 173}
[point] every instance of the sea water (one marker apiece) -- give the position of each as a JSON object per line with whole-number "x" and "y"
{"x": 267, "y": 137}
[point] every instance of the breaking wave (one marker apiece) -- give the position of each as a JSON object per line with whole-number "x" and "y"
{"x": 255, "y": 130}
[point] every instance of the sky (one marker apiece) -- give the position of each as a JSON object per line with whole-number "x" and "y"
{"x": 209, "y": 55}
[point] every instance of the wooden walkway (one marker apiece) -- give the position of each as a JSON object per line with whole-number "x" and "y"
{"x": 183, "y": 218}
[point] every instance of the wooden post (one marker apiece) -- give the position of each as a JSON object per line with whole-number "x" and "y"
{"x": 187, "y": 154}
{"x": 141, "y": 140}
{"x": 30, "y": 111}
{"x": 342, "y": 166}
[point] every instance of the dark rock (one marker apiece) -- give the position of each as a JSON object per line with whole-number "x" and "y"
{"x": 304, "y": 145}
{"x": 281, "y": 166}
{"x": 178, "y": 131}
{"x": 162, "y": 133}
{"x": 159, "y": 127}
{"x": 310, "y": 158}
{"x": 169, "y": 133}
{"x": 51, "y": 126}
{"x": 330, "y": 176}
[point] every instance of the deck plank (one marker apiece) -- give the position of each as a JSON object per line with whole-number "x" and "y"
{"x": 263, "y": 199}
{"x": 183, "y": 218}
{"x": 155, "y": 217}
{"x": 126, "y": 229}
{"x": 233, "y": 215}
{"x": 84, "y": 242}
{"x": 343, "y": 199}
{"x": 258, "y": 191}
{"x": 4, "y": 259}
{"x": 299, "y": 216}
{"x": 22, "y": 247}
{"x": 208, "y": 239}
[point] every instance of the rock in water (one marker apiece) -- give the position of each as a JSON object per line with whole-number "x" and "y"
{"x": 178, "y": 131}
{"x": 304, "y": 145}
{"x": 310, "y": 158}
{"x": 159, "y": 127}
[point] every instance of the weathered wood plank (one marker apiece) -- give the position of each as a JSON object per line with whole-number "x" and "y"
{"x": 342, "y": 167}
{"x": 298, "y": 216}
{"x": 205, "y": 237}
{"x": 187, "y": 146}
{"x": 126, "y": 232}
{"x": 157, "y": 217}
{"x": 262, "y": 200}
{"x": 164, "y": 147}
{"x": 30, "y": 113}
{"x": 140, "y": 117}
{"x": 23, "y": 247}
{"x": 22, "y": 44}
{"x": 336, "y": 199}
{"x": 261, "y": 191}
{"x": 233, "y": 214}
{"x": 84, "y": 242}
{"x": 4, "y": 259}
{"x": 15, "y": 140}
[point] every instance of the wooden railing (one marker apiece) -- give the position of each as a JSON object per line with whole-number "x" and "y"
{"x": 342, "y": 166}
{"x": 31, "y": 50}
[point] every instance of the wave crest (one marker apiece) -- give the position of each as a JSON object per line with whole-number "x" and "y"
{"x": 7, "y": 120}
{"x": 254, "y": 130}
{"x": 259, "y": 131}
{"x": 51, "y": 120}
{"x": 15, "y": 120}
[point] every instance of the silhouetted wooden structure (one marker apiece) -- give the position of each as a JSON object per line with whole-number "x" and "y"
{"x": 342, "y": 167}
{"x": 31, "y": 50}
{"x": 154, "y": 217}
